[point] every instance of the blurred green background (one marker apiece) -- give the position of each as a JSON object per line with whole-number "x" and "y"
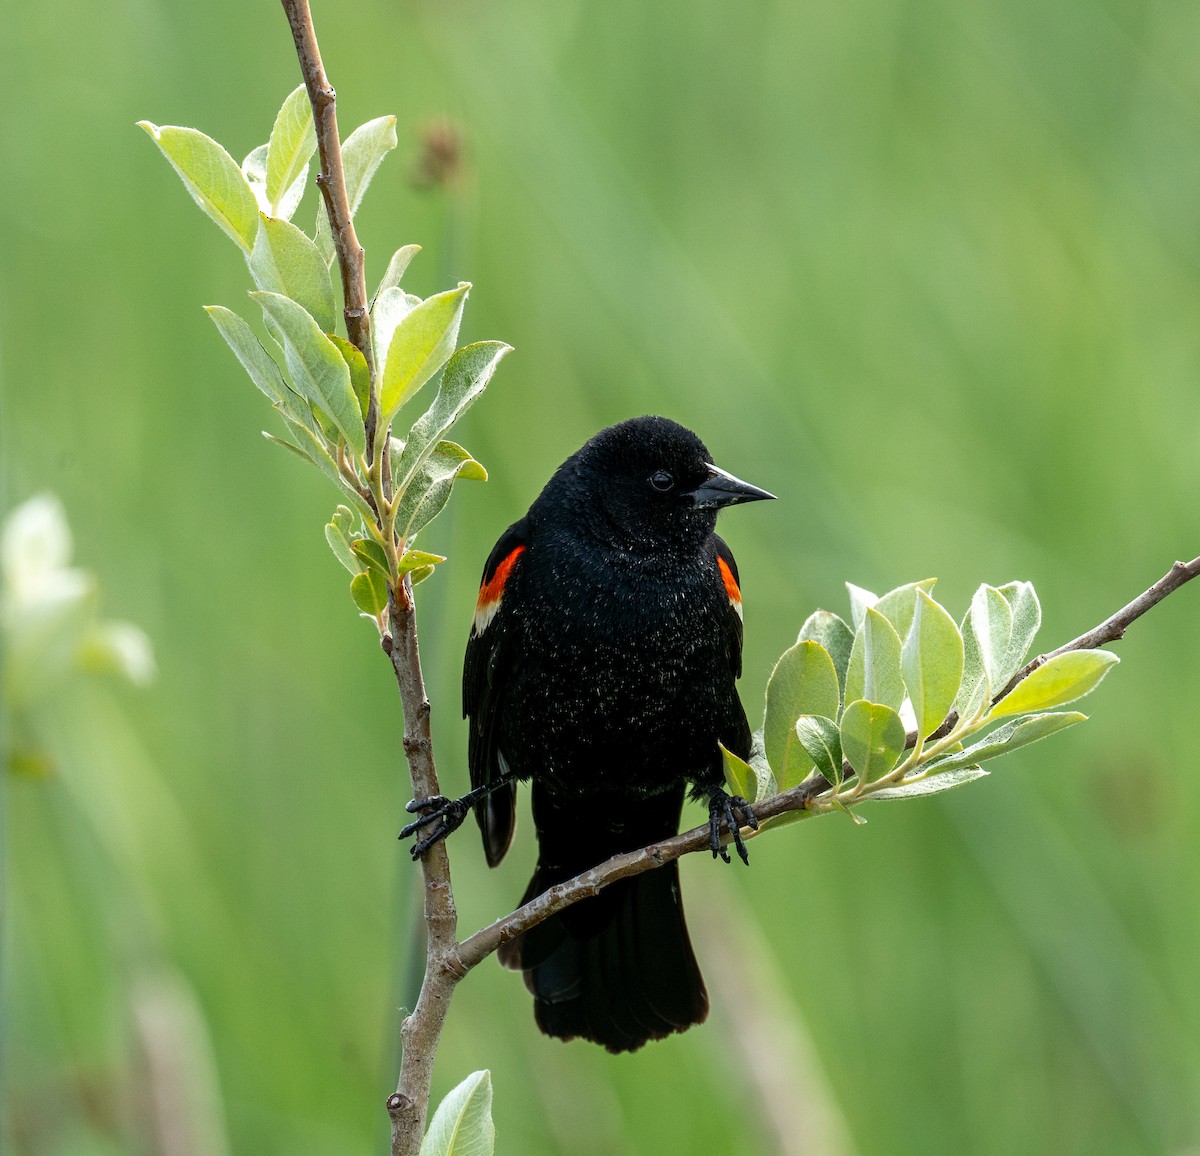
{"x": 928, "y": 271}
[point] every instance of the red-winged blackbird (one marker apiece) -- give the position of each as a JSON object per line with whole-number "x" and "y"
{"x": 601, "y": 667}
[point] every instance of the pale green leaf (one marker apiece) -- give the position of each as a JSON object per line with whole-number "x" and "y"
{"x": 990, "y": 618}
{"x": 370, "y": 556}
{"x": 1008, "y": 737}
{"x": 872, "y": 738}
{"x": 804, "y": 681}
{"x": 247, "y": 348}
{"x": 396, "y": 269}
{"x": 427, "y": 493}
{"x": 391, "y": 306}
{"x": 932, "y": 662}
{"x": 362, "y": 152}
{"x": 418, "y": 560}
{"x": 466, "y": 377}
{"x": 369, "y": 591}
{"x": 339, "y": 531}
{"x": 285, "y": 261}
{"x": 462, "y": 1124}
{"x": 975, "y": 687}
{"x": 821, "y": 739}
{"x": 293, "y": 142}
{"x": 834, "y": 635}
{"x": 1060, "y": 680}
{"x": 898, "y": 605}
{"x": 316, "y": 366}
{"x": 860, "y": 599}
{"x": 930, "y": 785}
{"x": 213, "y": 178}
{"x": 874, "y": 669}
{"x": 419, "y": 347}
{"x": 360, "y": 375}
{"x": 739, "y": 775}
{"x": 1022, "y": 600}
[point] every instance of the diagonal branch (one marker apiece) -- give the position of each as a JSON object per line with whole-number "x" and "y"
{"x": 479, "y": 946}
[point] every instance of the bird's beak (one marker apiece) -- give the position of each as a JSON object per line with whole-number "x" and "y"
{"x": 723, "y": 489}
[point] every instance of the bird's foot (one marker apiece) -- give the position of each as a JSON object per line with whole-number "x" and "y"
{"x": 734, "y": 813}
{"x": 443, "y": 814}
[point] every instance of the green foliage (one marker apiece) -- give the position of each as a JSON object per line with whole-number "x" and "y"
{"x": 393, "y": 486}
{"x": 908, "y": 662}
{"x": 462, "y": 1124}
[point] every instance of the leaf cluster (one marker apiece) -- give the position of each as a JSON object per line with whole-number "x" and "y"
{"x": 337, "y": 401}
{"x": 904, "y": 701}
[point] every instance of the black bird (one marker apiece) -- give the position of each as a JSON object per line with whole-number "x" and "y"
{"x": 601, "y": 667}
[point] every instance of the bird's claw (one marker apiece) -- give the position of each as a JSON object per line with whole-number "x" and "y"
{"x": 733, "y": 812}
{"x": 447, "y": 814}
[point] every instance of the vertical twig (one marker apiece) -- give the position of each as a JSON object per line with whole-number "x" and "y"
{"x": 332, "y": 182}
{"x": 408, "y": 1105}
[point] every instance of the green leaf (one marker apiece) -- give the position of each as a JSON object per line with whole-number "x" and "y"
{"x": 212, "y": 177}
{"x": 930, "y": 785}
{"x": 419, "y": 347}
{"x": 1022, "y": 600}
{"x": 739, "y": 775}
{"x": 874, "y": 669}
{"x": 822, "y": 740}
{"x": 466, "y": 377}
{"x": 418, "y": 560}
{"x": 990, "y": 619}
{"x": 860, "y": 600}
{"x": 391, "y": 306}
{"x": 420, "y": 574}
{"x": 338, "y": 533}
{"x": 310, "y": 447}
{"x": 872, "y": 739}
{"x": 316, "y": 366}
{"x": 360, "y": 375}
{"x": 370, "y": 556}
{"x": 285, "y": 261}
{"x": 462, "y": 1125}
{"x": 834, "y": 635}
{"x": 899, "y": 605}
{"x": 975, "y": 687}
{"x": 369, "y": 591}
{"x": 932, "y": 662}
{"x": 1008, "y": 737}
{"x": 804, "y": 682}
{"x": 429, "y": 491}
{"x": 362, "y": 152}
{"x": 1061, "y": 679}
{"x": 247, "y": 348}
{"x": 293, "y": 142}
{"x": 396, "y": 269}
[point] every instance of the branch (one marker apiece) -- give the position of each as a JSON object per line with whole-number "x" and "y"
{"x": 479, "y": 946}
{"x": 421, "y": 1030}
{"x": 332, "y": 182}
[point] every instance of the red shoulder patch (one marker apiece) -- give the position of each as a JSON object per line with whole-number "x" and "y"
{"x": 731, "y": 586}
{"x": 492, "y": 591}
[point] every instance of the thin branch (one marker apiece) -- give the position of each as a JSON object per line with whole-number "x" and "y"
{"x": 479, "y": 946}
{"x": 1113, "y": 629}
{"x": 332, "y": 182}
{"x": 421, "y": 1030}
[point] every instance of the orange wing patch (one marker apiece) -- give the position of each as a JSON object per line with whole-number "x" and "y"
{"x": 492, "y": 591}
{"x": 731, "y": 586}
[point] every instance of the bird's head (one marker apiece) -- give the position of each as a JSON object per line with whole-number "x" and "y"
{"x": 651, "y": 481}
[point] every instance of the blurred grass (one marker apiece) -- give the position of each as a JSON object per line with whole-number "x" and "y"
{"x": 929, "y": 272}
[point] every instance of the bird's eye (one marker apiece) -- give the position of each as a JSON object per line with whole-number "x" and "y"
{"x": 662, "y": 481}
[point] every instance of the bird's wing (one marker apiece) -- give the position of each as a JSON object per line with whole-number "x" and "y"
{"x": 483, "y": 691}
{"x": 727, "y": 568}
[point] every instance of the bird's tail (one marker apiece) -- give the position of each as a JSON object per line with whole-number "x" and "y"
{"x": 617, "y": 969}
